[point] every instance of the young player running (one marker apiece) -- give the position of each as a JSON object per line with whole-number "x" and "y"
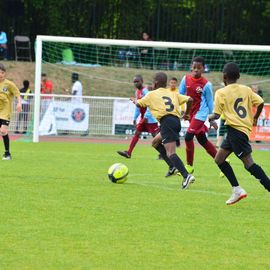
{"x": 173, "y": 87}
{"x": 200, "y": 90}
{"x": 235, "y": 102}
{"x": 147, "y": 123}
{"x": 164, "y": 105}
{"x": 7, "y": 92}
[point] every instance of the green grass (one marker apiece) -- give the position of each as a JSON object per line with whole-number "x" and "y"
{"x": 59, "y": 211}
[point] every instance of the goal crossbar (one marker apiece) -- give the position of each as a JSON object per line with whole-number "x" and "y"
{"x": 159, "y": 44}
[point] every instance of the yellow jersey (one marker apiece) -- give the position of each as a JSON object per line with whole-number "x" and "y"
{"x": 7, "y": 92}
{"x": 235, "y": 102}
{"x": 183, "y": 106}
{"x": 163, "y": 101}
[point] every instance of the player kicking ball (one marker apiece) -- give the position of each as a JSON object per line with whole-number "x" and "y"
{"x": 235, "y": 102}
{"x": 147, "y": 123}
{"x": 164, "y": 105}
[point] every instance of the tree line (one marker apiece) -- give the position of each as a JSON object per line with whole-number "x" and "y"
{"x": 207, "y": 21}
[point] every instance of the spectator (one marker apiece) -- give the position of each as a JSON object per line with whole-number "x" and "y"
{"x": 76, "y": 92}
{"x": 46, "y": 88}
{"x": 3, "y": 45}
{"x": 76, "y": 89}
{"x": 147, "y": 53}
{"x": 146, "y": 36}
{"x": 23, "y": 115}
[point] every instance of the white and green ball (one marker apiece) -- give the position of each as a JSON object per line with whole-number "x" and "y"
{"x": 118, "y": 173}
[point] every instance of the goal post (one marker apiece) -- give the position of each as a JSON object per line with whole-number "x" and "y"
{"x": 109, "y": 65}
{"x": 37, "y": 89}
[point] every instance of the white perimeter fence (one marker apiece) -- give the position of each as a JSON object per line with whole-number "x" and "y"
{"x": 82, "y": 116}
{"x": 94, "y": 116}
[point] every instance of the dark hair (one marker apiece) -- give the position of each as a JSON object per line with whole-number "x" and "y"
{"x": 198, "y": 59}
{"x": 26, "y": 83}
{"x": 173, "y": 79}
{"x": 2, "y": 67}
{"x": 232, "y": 71}
{"x": 43, "y": 74}
{"x": 140, "y": 77}
{"x": 161, "y": 78}
{"x": 75, "y": 76}
{"x": 147, "y": 33}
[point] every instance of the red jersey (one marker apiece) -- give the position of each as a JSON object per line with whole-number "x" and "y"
{"x": 139, "y": 94}
{"x": 194, "y": 89}
{"x": 46, "y": 88}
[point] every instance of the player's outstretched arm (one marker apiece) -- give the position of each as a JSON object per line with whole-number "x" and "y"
{"x": 133, "y": 100}
{"x": 143, "y": 102}
{"x": 257, "y": 114}
{"x": 211, "y": 118}
{"x": 19, "y": 104}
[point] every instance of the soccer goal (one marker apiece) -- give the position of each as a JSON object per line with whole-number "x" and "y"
{"x": 106, "y": 68}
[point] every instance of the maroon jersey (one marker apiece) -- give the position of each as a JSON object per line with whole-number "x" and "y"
{"x": 139, "y": 95}
{"x": 194, "y": 89}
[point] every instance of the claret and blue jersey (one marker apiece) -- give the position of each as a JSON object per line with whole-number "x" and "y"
{"x": 200, "y": 89}
{"x": 144, "y": 112}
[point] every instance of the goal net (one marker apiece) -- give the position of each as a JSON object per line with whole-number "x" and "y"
{"x": 106, "y": 69}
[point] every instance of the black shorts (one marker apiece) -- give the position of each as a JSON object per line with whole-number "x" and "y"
{"x": 170, "y": 127}
{"x": 4, "y": 122}
{"x": 237, "y": 142}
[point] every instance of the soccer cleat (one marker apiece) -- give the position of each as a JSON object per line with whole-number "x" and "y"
{"x": 6, "y": 156}
{"x": 124, "y": 154}
{"x": 171, "y": 171}
{"x": 237, "y": 195}
{"x": 189, "y": 168}
{"x": 187, "y": 181}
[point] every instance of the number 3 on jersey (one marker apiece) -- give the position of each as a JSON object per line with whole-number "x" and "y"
{"x": 240, "y": 110}
{"x": 168, "y": 103}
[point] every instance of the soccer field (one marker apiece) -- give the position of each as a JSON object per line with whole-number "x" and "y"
{"x": 58, "y": 210}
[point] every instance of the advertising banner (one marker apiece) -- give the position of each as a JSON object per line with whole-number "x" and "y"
{"x": 262, "y": 131}
{"x": 64, "y": 116}
{"x": 123, "y": 112}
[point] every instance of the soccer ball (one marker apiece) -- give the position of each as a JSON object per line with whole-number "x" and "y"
{"x": 118, "y": 173}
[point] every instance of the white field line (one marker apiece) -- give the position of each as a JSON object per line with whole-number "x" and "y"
{"x": 191, "y": 189}
{"x": 148, "y": 184}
